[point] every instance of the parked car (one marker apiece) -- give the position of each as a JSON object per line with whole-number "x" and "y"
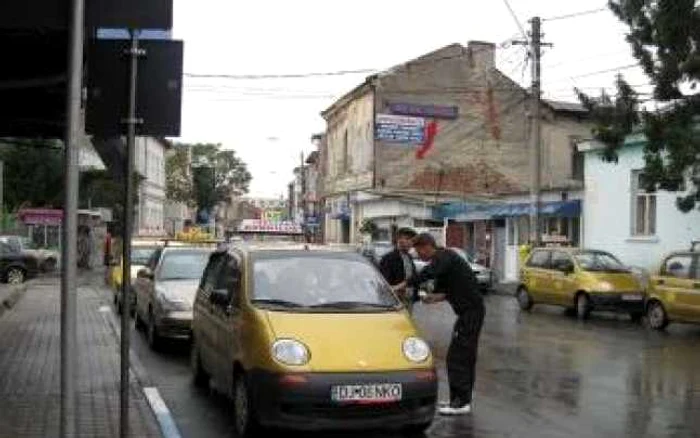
{"x": 309, "y": 337}
{"x": 16, "y": 264}
{"x": 165, "y": 289}
{"x": 374, "y": 251}
{"x": 581, "y": 280}
{"x": 674, "y": 291}
{"x": 46, "y": 259}
{"x": 141, "y": 252}
{"x": 484, "y": 275}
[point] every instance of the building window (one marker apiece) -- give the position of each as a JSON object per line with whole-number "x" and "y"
{"x": 643, "y": 207}
{"x": 345, "y": 152}
{"x": 577, "y": 163}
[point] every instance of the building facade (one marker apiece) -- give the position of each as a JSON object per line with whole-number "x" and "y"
{"x": 620, "y": 216}
{"x": 447, "y": 127}
{"x": 150, "y": 164}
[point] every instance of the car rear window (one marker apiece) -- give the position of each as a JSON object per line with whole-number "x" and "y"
{"x": 539, "y": 259}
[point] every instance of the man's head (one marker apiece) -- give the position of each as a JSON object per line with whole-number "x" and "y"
{"x": 425, "y": 246}
{"x": 404, "y": 239}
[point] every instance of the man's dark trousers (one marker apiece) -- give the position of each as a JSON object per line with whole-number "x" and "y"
{"x": 461, "y": 356}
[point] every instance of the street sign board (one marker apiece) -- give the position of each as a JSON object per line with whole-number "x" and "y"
{"x": 428, "y": 111}
{"x": 159, "y": 89}
{"x": 400, "y": 129}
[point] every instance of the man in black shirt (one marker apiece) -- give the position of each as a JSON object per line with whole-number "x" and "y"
{"x": 397, "y": 266}
{"x": 456, "y": 283}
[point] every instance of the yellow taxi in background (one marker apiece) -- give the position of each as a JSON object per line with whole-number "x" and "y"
{"x": 674, "y": 291}
{"x": 309, "y": 337}
{"x": 582, "y": 280}
{"x": 141, "y": 251}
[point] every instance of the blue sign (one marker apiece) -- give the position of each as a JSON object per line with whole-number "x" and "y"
{"x": 399, "y": 129}
{"x": 429, "y": 111}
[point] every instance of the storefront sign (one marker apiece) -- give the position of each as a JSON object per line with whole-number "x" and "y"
{"x": 400, "y": 129}
{"x": 428, "y": 111}
{"x": 261, "y": 226}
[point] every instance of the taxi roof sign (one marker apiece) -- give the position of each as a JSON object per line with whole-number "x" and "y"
{"x": 267, "y": 227}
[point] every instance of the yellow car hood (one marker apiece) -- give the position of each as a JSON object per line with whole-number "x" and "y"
{"x": 349, "y": 342}
{"x": 613, "y": 282}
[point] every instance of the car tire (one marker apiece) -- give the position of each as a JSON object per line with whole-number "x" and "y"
{"x": 245, "y": 423}
{"x": 152, "y": 332}
{"x": 200, "y": 378}
{"x": 657, "y": 316}
{"x": 582, "y": 306}
{"x": 15, "y": 275}
{"x": 417, "y": 430}
{"x": 524, "y": 299}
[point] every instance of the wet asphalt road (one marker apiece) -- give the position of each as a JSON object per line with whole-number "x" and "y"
{"x": 540, "y": 374}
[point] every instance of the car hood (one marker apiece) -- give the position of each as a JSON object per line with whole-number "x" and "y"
{"x": 349, "y": 342}
{"x": 179, "y": 290}
{"x": 612, "y": 282}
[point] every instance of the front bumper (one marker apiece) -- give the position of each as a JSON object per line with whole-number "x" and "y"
{"x": 175, "y": 325}
{"x": 617, "y": 302}
{"x": 307, "y": 404}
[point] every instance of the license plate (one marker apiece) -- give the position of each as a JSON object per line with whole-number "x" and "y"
{"x": 633, "y": 297}
{"x": 380, "y": 392}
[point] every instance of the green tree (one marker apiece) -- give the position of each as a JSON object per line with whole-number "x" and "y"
{"x": 178, "y": 183}
{"x": 216, "y": 175}
{"x": 33, "y": 173}
{"x": 98, "y": 188}
{"x": 665, "y": 39}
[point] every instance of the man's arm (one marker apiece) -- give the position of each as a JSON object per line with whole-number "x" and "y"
{"x": 385, "y": 268}
{"x": 432, "y": 270}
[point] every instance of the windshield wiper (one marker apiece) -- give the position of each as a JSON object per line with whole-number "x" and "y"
{"x": 351, "y": 305}
{"x": 276, "y": 302}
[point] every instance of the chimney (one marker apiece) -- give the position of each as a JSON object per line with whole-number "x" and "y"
{"x": 483, "y": 54}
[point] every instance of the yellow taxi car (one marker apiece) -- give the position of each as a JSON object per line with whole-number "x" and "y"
{"x": 582, "y": 280}
{"x": 309, "y": 337}
{"x": 141, "y": 251}
{"x": 674, "y": 291}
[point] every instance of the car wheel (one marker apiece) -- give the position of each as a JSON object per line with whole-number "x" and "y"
{"x": 199, "y": 375}
{"x": 583, "y": 306}
{"x": 656, "y": 315}
{"x": 15, "y": 276}
{"x": 524, "y": 299}
{"x": 152, "y": 333}
{"x": 245, "y": 422}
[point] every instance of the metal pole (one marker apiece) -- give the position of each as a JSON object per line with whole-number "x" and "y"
{"x": 69, "y": 342}
{"x": 2, "y": 198}
{"x": 536, "y": 50}
{"x": 131, "y": 122}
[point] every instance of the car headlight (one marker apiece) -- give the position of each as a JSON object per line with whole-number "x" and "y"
{"x": 416, "y": 349}
{"x": 290, "y": 352}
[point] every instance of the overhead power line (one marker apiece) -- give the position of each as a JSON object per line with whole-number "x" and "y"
{"x": 594, "y": 73}
{"x": 515, "y": 18}
{"x": 576, "y": 14}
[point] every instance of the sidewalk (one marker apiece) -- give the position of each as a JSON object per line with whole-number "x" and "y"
{"x": 30, "y": 368}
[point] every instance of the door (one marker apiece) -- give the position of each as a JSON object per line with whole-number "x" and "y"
{"x": 143, "y": 286}
{"x": 536, "y": 275}
{"x": 675, "y": 286}
{"x": 204, "y": 326}
{"x": 226, "y": 319}
{"x": 693, "y": 295}
{"x": 562, "y": 279}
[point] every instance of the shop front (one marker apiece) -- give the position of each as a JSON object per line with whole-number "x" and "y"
{"x": 495, "y": 232}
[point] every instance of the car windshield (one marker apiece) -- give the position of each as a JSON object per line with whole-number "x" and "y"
{"x": 599, "y": 261}
{"x": 319, "y": 281}
{"x": 183, "y": 265}
{"x": 382, "y": 249}
{"x": 140, "y": 255}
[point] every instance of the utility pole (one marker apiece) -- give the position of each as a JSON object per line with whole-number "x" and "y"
{"x": 535, "y": 51}
{"x": 69, "y": 247}
{"x": 302, "y": 176}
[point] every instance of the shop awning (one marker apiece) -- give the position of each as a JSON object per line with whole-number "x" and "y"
{"x": 470, "y": 211}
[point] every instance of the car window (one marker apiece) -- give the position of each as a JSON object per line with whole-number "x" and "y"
{"x": 599, "y": 261}
{"x": 141, "y": 255}
{"x": 155, "y": 257}
{"x": 228, "y": 277}
{"x": 183, "y": 265}
{"x": 5, "y": 248}
{"x": 560, "y": 260}
{"x": 312, "y": 280}
{"x": 677, "y": 266}
{"x": 211, "y": 272}
{"x": 539, "y": 259}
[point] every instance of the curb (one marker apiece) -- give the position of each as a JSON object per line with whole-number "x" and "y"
{"x": 16, "y": 294}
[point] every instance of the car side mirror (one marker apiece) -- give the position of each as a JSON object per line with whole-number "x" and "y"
{"x": 145, "y": 273}
{"x": 219, "y": 297}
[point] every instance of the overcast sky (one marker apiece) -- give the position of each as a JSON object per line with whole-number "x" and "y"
{"x": 269, "y": 122}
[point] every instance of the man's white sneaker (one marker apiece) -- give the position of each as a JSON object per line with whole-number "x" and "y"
{"x": 452, "y": 410}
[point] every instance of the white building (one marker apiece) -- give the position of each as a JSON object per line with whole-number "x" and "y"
{"x": 621, "y": 217}
{"x": 150, "y": 164}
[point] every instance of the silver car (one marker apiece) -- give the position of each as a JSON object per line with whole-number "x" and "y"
{"x": 165, "y": 290}
{"x": 484, "y": 275}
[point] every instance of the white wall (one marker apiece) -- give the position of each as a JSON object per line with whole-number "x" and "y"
{"x": 608, "y": 213}
{"x": 150, "y": 163}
